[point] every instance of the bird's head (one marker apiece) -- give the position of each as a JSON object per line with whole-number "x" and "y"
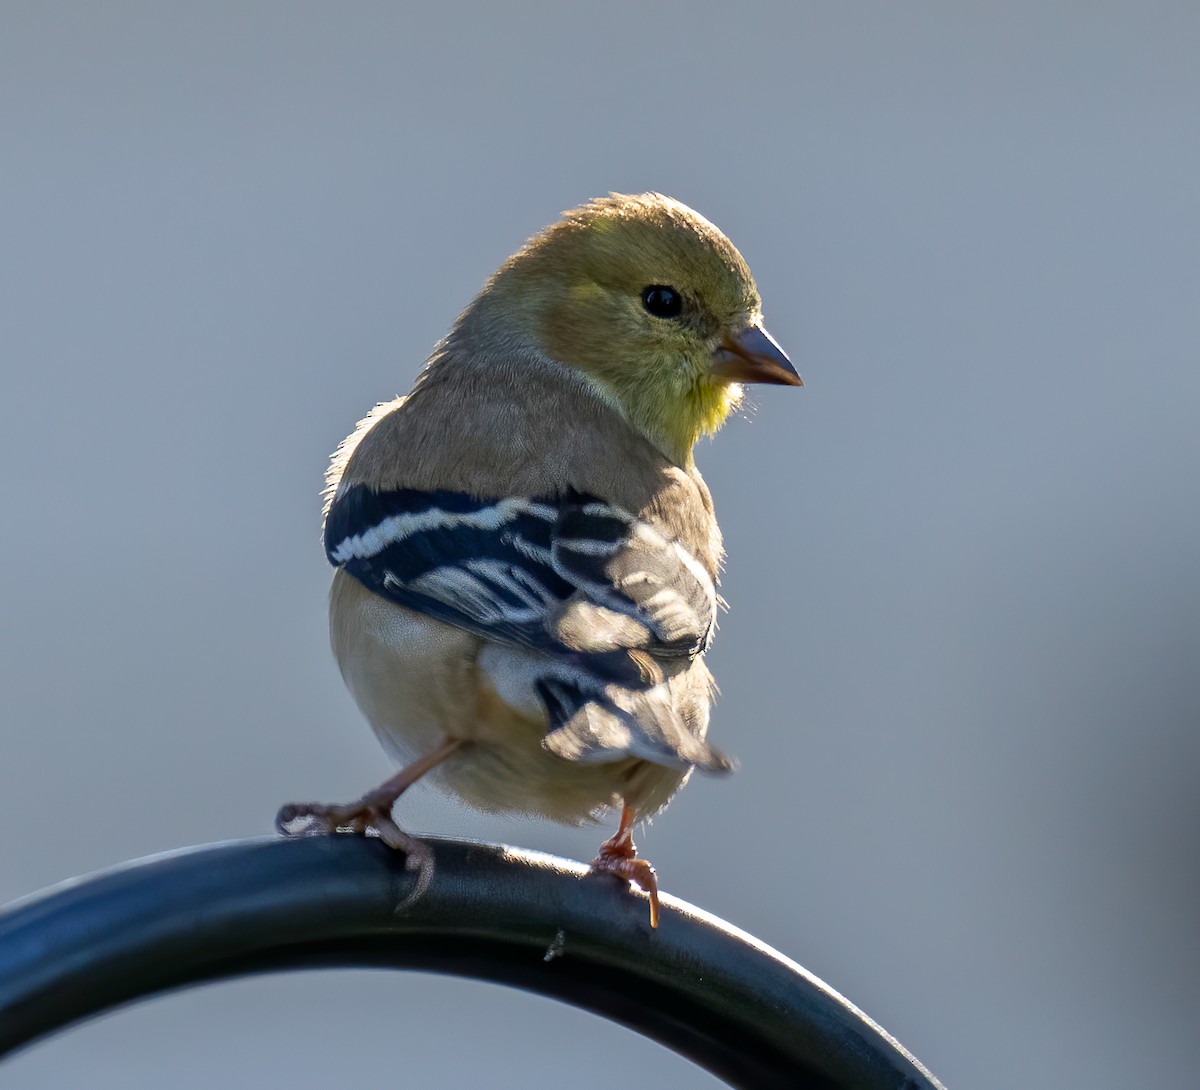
{"x": 653, "y": 304}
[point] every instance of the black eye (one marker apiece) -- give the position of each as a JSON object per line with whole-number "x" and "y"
{"x": 661, "y": 301}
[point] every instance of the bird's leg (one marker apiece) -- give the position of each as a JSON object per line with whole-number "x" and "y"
{"x": 618, "y": 855}
{"x": 372, "y": 811}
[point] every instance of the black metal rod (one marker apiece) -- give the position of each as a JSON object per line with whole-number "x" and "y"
{"x": 713, "y": 994}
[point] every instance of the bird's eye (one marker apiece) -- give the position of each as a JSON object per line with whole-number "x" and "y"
{"x": 661, "y": 301}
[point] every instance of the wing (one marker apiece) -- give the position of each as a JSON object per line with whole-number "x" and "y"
{"x": 587, "y": 726}
{"x": 623, "y": 565}
{"x": 569, "y": 576}
{"x": 601, "y": 593}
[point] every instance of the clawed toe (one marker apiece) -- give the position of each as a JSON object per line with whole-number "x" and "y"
{"x": 638, "y": 871}
{"x": 373, "y": 813}
{"x": 618, "y": 855}
{"x": 320, "y": 819}
{"x": 301, "y": 819}
{"x": 362, "y": 817}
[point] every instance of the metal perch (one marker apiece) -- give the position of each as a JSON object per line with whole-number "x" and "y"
{"x": 713, "y": 994}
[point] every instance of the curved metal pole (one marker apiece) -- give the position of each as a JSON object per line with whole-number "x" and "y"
{"x": 712, "y": 993}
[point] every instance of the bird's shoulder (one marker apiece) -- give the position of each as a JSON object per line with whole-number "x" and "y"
{"x": 524, "y": 426}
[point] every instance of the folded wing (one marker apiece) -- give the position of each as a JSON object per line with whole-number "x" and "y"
{"x": 597, "y": 589}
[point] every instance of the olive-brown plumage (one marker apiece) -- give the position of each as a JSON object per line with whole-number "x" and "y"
{"x": 526, "y": 552}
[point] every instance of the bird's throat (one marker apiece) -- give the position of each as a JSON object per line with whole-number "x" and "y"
{"x": 675, "y": 420}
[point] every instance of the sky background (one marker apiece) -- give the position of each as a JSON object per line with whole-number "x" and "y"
{"x": 962, "y": 665}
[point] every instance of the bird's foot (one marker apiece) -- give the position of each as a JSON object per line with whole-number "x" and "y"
{"x": 371, "y": 812}
{"x": 619, "y": 856}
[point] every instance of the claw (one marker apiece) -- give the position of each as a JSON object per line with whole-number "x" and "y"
{"x": 618, "y": 855}
{"x": 638, "y": 871}
{"x": 373, "y": 811}
{"x": 321, "y": 819}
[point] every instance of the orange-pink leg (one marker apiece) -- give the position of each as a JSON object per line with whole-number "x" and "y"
{"x": 372, "y": 811}
{"x": 618, "y": 855}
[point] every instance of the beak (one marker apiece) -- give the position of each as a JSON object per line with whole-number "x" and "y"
{"x": 753, "y": 356}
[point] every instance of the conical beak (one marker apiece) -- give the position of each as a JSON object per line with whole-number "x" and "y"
{"x": 753, "y": 356}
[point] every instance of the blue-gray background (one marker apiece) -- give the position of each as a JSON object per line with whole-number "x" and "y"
{"x": 962, "y": 665}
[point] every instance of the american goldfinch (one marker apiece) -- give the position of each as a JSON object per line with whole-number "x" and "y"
{"x": 526, "y": 554}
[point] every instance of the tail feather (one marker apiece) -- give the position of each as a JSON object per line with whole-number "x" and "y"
{"x": 592, "y": 726}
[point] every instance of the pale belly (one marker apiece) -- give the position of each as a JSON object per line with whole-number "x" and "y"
{"x": 419, "y": 681}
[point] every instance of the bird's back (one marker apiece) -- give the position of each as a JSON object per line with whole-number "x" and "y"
{"x": 530, "y": 427}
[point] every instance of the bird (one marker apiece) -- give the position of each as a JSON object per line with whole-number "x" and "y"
{"x": 526, "y": 554}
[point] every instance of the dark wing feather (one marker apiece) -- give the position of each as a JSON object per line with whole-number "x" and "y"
{"x": 623, "y": 564}
{"x": 567, "y": 575}
{"x": 589, "y": 727}
{"x": 480, "y": 565}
